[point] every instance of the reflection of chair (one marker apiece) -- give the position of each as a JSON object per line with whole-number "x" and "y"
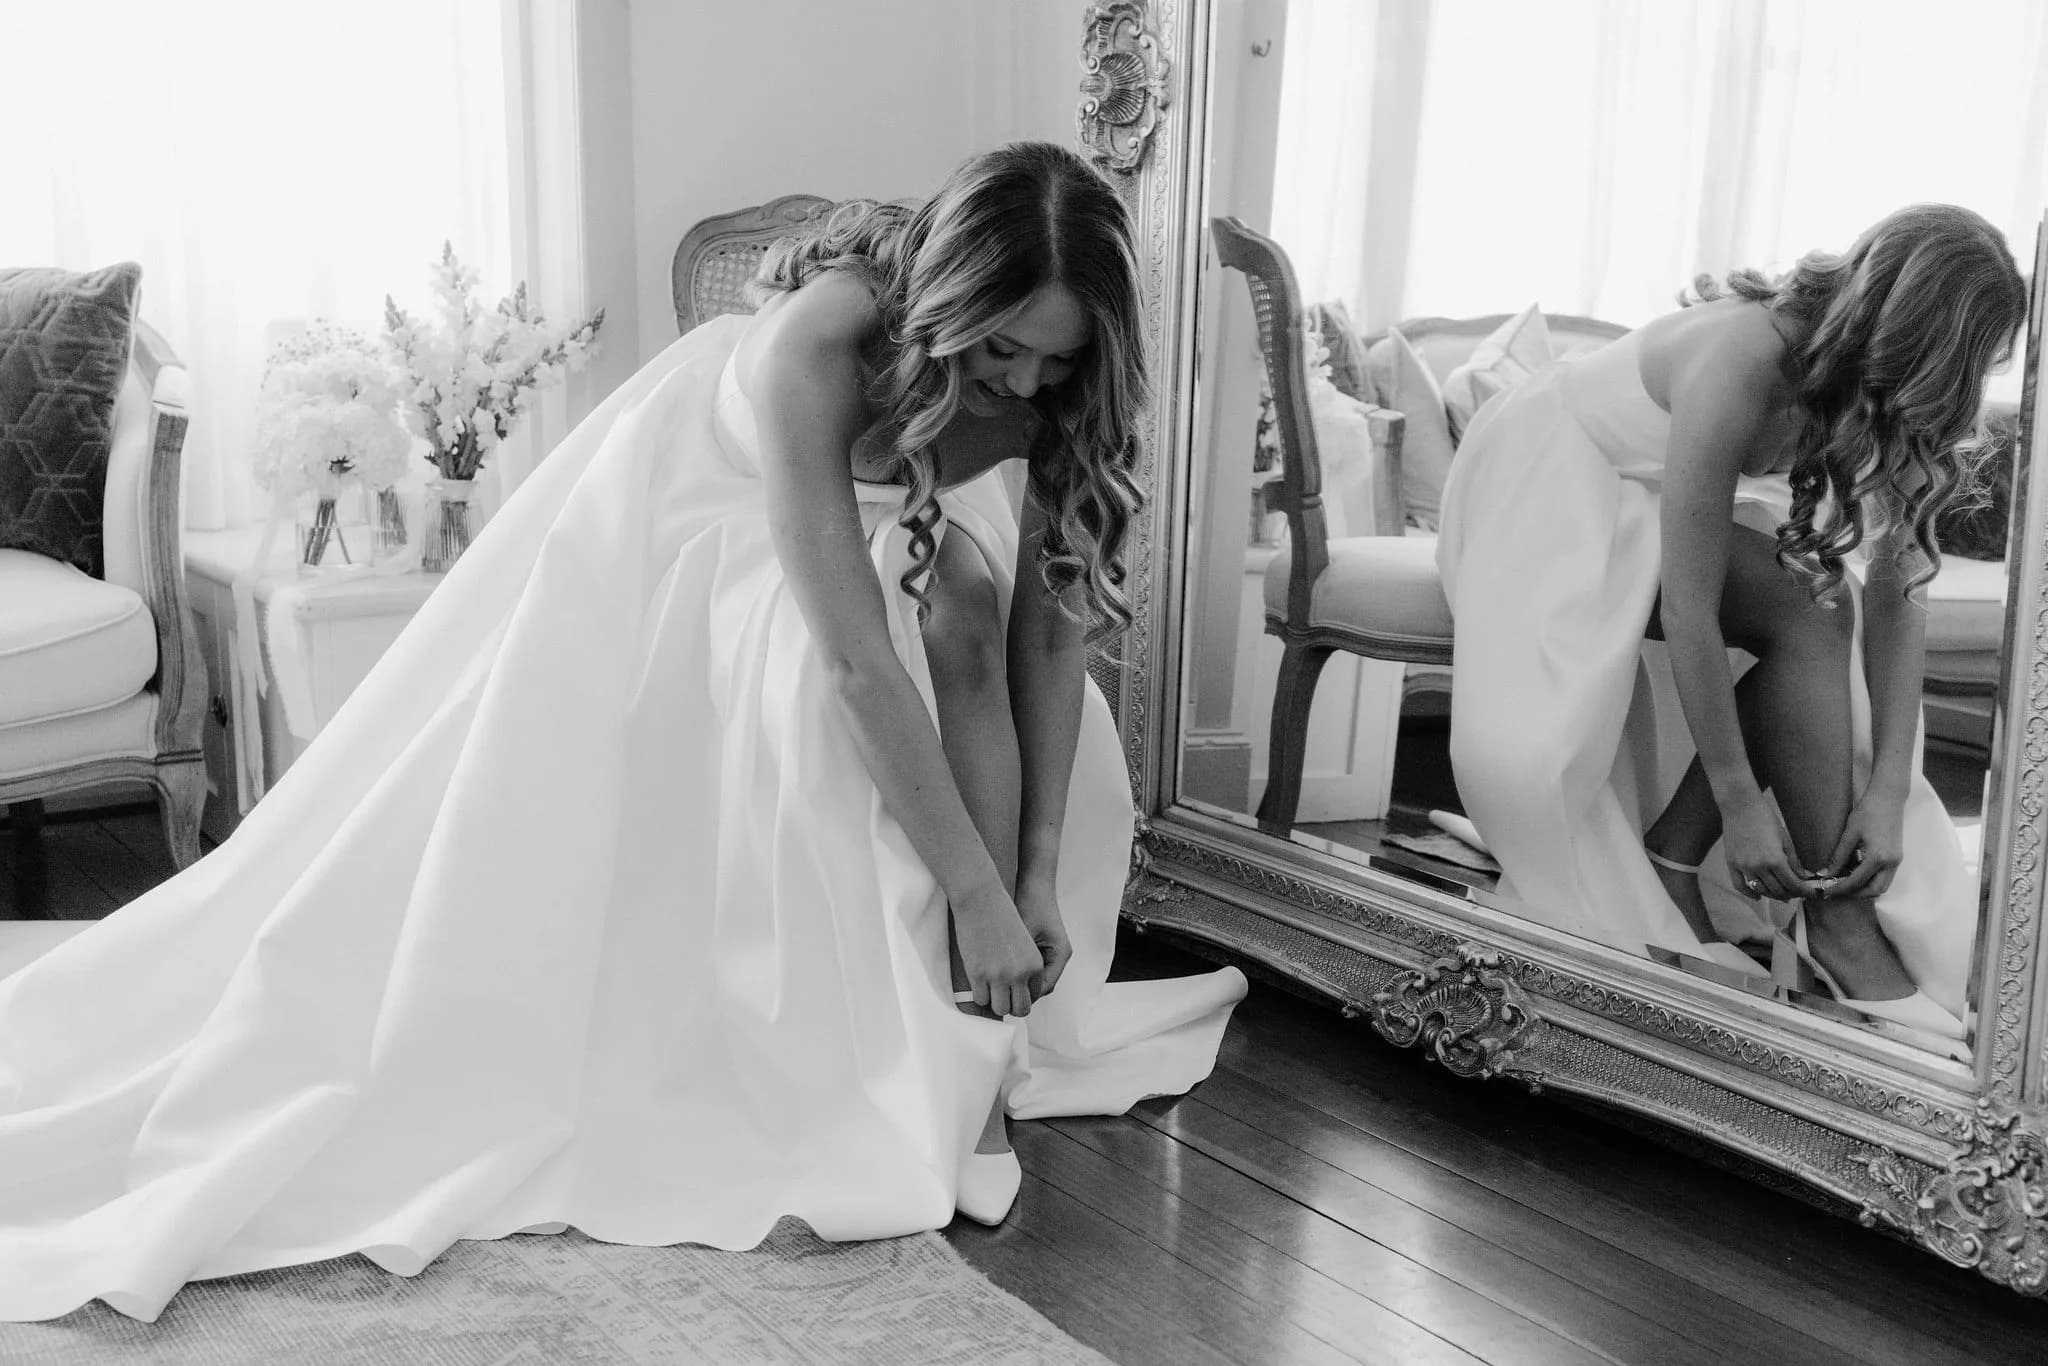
{"x": 718, "y": 256}
{"x": 103, "y": 677}
{"x": 1377, "y": 596}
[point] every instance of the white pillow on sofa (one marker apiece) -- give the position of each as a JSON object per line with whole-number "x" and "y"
{"x": 1512, "y": 352}
{"x": 1426, "y": 445}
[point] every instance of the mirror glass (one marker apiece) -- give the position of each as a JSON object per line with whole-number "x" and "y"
{"x": 1483, "y": 218}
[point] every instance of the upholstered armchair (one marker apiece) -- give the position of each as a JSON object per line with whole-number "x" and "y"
{"x": 1375, "y": 593}
{"x": 101, "y": 678}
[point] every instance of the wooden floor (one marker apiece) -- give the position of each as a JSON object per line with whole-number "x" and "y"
{"x": 1324, "y": 1197}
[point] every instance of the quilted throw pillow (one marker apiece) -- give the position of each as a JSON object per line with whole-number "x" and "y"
{"x": 64, "y": 341}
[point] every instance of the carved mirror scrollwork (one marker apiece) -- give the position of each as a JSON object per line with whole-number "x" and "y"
{"x": 1942, "y": 1144}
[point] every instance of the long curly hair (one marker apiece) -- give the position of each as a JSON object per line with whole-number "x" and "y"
{"x": 948, "y": 274}
{"x": 1888, "y": 347}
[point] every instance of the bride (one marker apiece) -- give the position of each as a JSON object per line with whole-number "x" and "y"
{"x": 733, "y": 835}
{"x": 1759, "y": 470}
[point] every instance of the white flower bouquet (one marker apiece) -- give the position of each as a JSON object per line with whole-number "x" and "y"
{"x": 327, "y": 422}
{"x": 470, "y": 372}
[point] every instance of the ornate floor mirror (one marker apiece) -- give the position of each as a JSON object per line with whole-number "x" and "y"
{"x": 1352, "y": 869}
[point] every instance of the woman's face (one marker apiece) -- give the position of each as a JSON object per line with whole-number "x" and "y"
{"x": 1036, "y": 348}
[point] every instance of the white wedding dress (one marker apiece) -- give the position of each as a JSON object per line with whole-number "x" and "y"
{"x": 584, "y": 910}
{"x": 1567, "y": 736}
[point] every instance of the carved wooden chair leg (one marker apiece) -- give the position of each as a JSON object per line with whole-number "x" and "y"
{"x": 28, "y": 872}
{"x": 1293, "y": 694}
{"x": 181, "y": 798}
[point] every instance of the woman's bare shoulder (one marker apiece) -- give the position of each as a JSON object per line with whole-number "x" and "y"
{"x": 1727, "y": 345}
{"x": 831, "y": 318}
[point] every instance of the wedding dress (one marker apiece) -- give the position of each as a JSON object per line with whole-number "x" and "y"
{"x": 584, "y": 910}
{"x": 1567, "y": 737}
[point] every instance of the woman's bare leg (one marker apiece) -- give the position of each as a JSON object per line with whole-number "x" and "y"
{"x": 1795, "y": 708}
{"x": 964, "y": 647}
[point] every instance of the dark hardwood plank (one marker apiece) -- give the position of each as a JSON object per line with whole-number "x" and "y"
{"x": 1089, "y": 1307}
{"x": 1830, "y": 1274}
{"x": 1550, "y": 1295}
{"x": 44, "y": 883}
{"x": 142, "y": 834}
{"x": 1194, "y": 1194}
{"x": 1584, "y": 1195}
{"x": 104, "y": 860}
{"x": 1714, "y": 1320}
{"x": 1223, "y": 1318}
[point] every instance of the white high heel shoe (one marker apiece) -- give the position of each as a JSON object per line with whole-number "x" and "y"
{"x": 1918, "y": 1012}
{"x": 988, "y": 1187}
{"x": 988, "y": 1182}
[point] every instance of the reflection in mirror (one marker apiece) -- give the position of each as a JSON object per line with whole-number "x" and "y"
{"x": 1445, "y": 364}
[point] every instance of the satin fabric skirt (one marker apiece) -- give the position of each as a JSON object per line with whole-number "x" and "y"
{"x": 1567, "y": 738}
{"x": 584, "y": 910}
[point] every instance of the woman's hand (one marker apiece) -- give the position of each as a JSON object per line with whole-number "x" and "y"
{"x": 1000, "y": 955}
{"x": 1872, "y": 846}
{"x": 1761, "y": 859}
{"x": 1039, "y": 906}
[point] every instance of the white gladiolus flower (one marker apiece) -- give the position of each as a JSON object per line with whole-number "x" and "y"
{"x": 470, "y": 371}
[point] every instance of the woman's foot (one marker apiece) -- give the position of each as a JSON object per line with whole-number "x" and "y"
{"x": 1860, "y": 964}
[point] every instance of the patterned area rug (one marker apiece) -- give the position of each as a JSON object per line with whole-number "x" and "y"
{"x": 540, "y": 1300}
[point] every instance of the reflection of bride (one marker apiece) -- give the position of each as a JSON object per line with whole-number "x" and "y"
{"x": 1831, "y": 411}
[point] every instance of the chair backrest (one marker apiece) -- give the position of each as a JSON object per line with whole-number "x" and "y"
{"x": 1446, "y": 343}
{"x": 1276, "y": 303}
{"x": 717, "y": 257}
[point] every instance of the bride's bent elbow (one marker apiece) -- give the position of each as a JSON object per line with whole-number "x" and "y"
{"x": 862, "y": 684}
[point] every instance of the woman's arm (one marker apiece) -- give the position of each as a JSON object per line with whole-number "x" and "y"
{"x": 806, "y": 388}
{"x": 1047, "y": 658}
{"x": 1895, "y": 658}
{"x": 1873, "y": 842}
{"x": 1720, "y": 390}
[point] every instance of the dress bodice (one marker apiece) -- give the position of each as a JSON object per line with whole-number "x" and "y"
{"x": 1605, "y": 392}
{"x": 972, "y": 444}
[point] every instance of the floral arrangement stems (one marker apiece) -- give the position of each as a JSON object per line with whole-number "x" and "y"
{"x": 390, "y": 519}
{"x": 326, "y": 527}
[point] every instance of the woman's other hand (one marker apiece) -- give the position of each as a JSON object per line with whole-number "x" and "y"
{"x": 1873, "y": 844}
{"x": 1039, "y": 906}
{"x": 1761, "y": 859}
{"x": 1001, "y": 956}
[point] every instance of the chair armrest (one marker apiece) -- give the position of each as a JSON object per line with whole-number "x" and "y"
{"x": 181, "y": 670}
{"x": 1390, "y": 515}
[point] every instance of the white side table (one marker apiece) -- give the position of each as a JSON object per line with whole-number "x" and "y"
{"x": 344, "y": 624}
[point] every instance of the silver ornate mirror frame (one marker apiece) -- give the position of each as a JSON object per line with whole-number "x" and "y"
{"x": 1950, "y": 1155}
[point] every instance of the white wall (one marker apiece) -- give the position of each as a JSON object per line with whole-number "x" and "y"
{"x": 736, "y": 103}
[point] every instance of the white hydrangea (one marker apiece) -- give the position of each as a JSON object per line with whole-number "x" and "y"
{"x": 328, "y": 416}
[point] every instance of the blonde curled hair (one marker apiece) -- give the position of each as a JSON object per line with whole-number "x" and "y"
{"x": 946, "y": 276}
{"x": 1888, "y": 347}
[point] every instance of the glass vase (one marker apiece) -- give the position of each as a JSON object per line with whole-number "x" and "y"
{"x": 333, "y": 532}
{"x": 390, "y": 538}
{"x": 453, "y": 518}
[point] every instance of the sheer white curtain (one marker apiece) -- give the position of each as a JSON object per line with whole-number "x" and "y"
{"x": 263, "y": 161}
{"x": 1458, "y": 157}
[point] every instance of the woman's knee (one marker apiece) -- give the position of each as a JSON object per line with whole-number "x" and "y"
{"x": 963, "y": 634}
